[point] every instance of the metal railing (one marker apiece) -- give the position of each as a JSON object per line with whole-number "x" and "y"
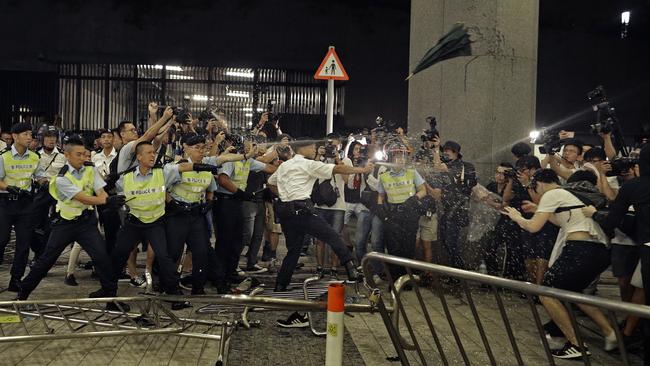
{"x": 401, "y": 344}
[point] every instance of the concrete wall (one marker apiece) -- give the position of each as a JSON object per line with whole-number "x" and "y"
{"x": 486, "y": 101}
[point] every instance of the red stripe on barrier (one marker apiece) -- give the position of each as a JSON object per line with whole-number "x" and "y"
{"x": 336, "y": 297}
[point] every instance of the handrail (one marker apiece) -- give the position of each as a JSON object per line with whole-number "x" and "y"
{"x": 564, "y": 295}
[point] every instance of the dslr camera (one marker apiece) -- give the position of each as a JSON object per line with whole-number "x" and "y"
{"x": 432, "y": 132}
{"x": 550, "y": 140}
{"x": 330, "y": 150}
{"x": 621, "y": 165}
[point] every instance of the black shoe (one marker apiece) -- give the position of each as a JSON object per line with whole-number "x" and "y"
{"x": 124, "y": 277}
{"x": 70, "y": 280}
{"x": 295, "y": 320}
{"x": 569, "y": 351}
{"x": 180, "y": 305}
{"x": 112, "y": 306}
{"x": 266, "y": 252}
{"x": 351, "y": 270}
{"x": 98, "y": 293}
{"x": 14, "y": 285}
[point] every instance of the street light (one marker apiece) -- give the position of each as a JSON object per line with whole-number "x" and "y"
{"x": 625, "y": 21}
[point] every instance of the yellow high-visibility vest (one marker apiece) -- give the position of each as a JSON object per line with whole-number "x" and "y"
{"x": 398, "y": 188}
{"x": 71, "y": 209}
{"x": 145, "y": 198}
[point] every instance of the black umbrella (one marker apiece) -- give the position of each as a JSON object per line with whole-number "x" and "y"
{"x": 453, "y": 44}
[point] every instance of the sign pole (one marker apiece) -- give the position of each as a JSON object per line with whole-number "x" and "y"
{"x": 330, "y": 106}
{"x": 331, "y": 69}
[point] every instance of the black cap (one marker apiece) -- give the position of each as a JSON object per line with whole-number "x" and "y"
{"x": 452, "y": 145}
{"x": 21, "y": 127}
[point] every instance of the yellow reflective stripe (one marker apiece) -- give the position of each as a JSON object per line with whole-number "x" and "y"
{"x": 192, "y": 186}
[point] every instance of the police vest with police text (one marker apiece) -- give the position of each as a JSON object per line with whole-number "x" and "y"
{"x": 145, "y": 198}
{"x": 18, "y": 173}
{"x": 192, "y": 186}
{"x": 398, "y": 188}
{"x": 71, "y": 209}
{"x": 240, "y": 174}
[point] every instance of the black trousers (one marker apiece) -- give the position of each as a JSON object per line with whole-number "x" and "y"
{"x": 16, "y": 214}
{"x": 134, "y": 232}
{"x": 184, "y": 228}
{"x": 295, "y": 227}
{"x": 400, "y": 234}
{"x": 449, "y": 228}
{"x": 83, "y": 231}
{"x": 110, "y": 219}
{"x": 229, "y": 230}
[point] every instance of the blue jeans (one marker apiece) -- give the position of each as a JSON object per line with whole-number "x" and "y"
{"x": 367, "y": 225}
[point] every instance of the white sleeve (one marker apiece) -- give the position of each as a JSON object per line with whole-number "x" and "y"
{"x": 320, "y": 170}
{"x": 273, "y": 179}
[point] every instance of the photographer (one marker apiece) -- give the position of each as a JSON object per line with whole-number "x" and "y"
{"x": 459, "y": 179}
{"x": 635, "y": 193}
{"x": 569, "y": 162}
{"x": 268, "y": 126}
{"x": 580, "y": 254}
{"x": 333, "y": 212}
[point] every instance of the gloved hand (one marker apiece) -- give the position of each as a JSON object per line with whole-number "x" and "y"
{"x": 197, "y": 167}
{"x": 115, "y": 202}
{"x": 13, "y": 190}
{"x": 244, "y": 196}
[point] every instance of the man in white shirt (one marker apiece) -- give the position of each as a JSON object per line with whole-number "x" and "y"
{"x": 293, "y": 183}
{"x": 102, "y": 160}
{"x": 52, "y": 160}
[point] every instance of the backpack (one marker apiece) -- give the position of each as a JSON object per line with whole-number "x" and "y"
{"x": 587, "y": 193}
{"x": 324, "y": 193}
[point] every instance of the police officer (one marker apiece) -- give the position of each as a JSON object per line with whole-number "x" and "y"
{"x": 190, "y": 196}
{"x": 232, "y": 179}
{"x": 144, "y": 187}
{"x": 293, "y": 183}
{"x": 18, "y": 169}
{"x": 400, "y": 190}
{"x": 77, "y": 189}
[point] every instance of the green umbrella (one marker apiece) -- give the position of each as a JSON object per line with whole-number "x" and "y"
{"x": 453, "y": 44}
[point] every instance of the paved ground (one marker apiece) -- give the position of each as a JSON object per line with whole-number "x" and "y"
{"x": 366, "y": 339}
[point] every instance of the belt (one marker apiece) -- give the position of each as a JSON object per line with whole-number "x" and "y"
{"x": 224, "y": 196}
{"x": 85, "y": 214}
{"x": 396, "y": 207}
{"x": 174, "y": 207}
{"x": 15, "y": 197}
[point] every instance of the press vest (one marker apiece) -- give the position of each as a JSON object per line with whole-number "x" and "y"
{"x": 398, "y": 188}
{"x": 192, "y": 186}
{"x": 240, "y": 174}
{"x": 19, "y": 173}
{"x": 71, "y": 209}
{"x": 145, "y": 198}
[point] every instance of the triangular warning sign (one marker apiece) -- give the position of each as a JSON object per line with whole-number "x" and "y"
{"x": 331, "y": 68}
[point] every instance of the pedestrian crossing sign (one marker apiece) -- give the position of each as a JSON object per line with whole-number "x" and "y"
{"x": 331, "y": 68}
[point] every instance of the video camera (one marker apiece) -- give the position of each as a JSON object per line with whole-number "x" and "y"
{"x": 606, "y": 120}
{"x": 432, "y": 132}
{"x": 550, "y": 140}
{"x": 621, "y": 165}
{"x": 331, "y": 150}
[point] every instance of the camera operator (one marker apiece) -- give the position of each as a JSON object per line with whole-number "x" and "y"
{"x": 268, "y": 126}
{"x": 580, "y": 254}
{"x": 458, "y": 182}
{"x": 569, "y": 162}
{"x": 333, "y": 214}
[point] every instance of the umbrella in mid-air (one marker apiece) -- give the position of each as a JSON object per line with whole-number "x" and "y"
{"x": 453, "y": 44}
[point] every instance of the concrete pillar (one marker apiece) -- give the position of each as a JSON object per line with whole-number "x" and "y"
{"x": 485, "y": 101}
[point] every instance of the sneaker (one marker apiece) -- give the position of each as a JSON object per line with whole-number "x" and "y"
{"x": 240, "y": 272}
{"x": 255, "y": 269}
{"x": 138, "y": 281}
{"x": 70, "y": 280}
{"x": 180, "y": 305}
{"x": 149, "y": 280}
{"x": 569, "y": 351}
{"x": 611, "y": 343}
{"x": 294, "y": 320}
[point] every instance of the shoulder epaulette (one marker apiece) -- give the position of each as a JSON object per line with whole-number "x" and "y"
{"x": 182, "y": 161}
{"x": 63, "y": 170}
{"x": 89, "y": 163}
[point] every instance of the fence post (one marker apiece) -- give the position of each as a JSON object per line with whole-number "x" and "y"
{"x": 335, "y": 329}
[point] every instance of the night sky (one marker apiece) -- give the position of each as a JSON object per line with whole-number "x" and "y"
{"x": 579, "y": 46}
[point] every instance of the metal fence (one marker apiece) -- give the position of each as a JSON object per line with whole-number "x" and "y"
{"x": 93, "y": 96}
{"x": 495, "y": 284}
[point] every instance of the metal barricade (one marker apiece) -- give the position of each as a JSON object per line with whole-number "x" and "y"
{"x": 402, "y": 344}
